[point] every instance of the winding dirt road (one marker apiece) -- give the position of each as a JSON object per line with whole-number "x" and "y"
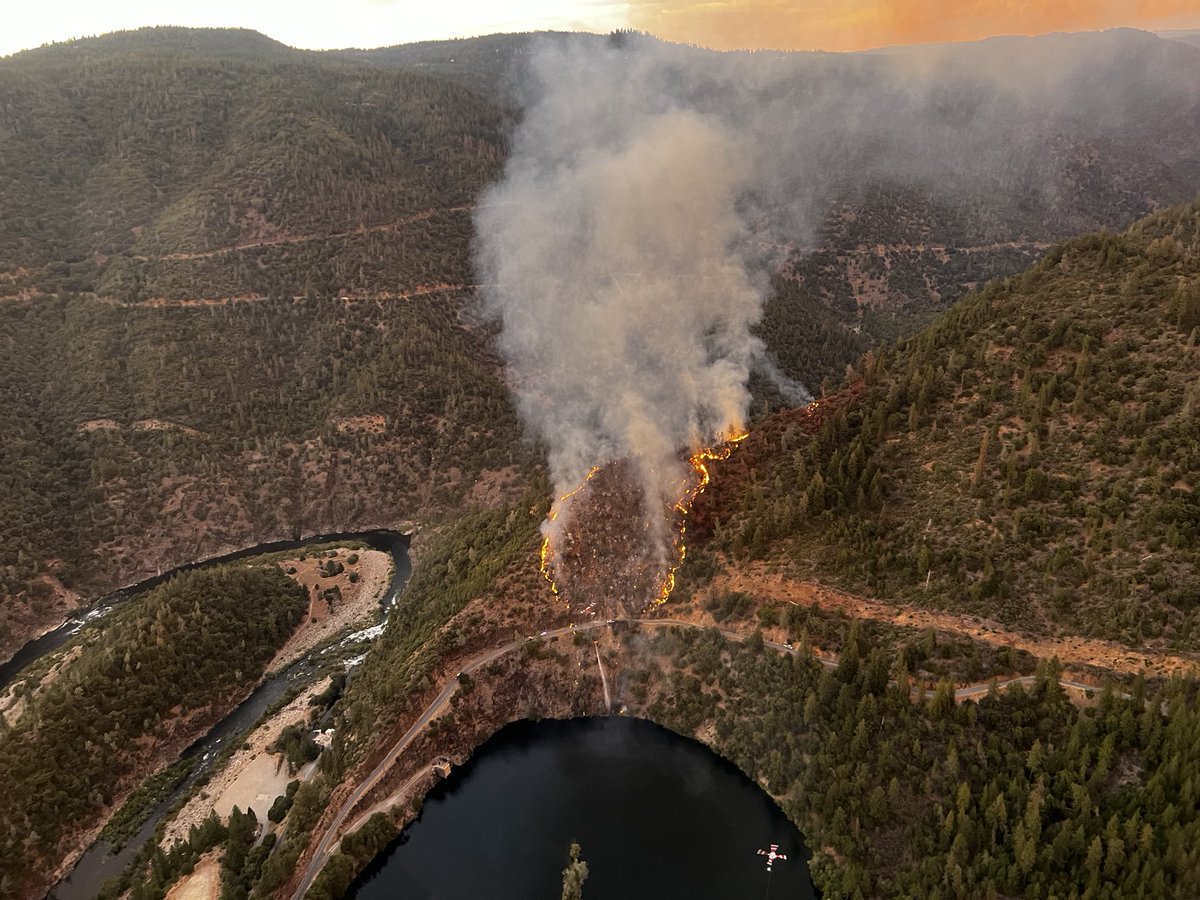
{"x": 276, "y": 240}
{"x": 1070, "y": 650}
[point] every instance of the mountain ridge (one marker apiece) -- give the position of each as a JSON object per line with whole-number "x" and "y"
{"x": 1031, "y": 455}
{"x": 147, "y": 196}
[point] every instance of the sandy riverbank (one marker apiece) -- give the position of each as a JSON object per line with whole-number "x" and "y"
{"x": 359, "y": 604}
{"x": 252, "y": 778}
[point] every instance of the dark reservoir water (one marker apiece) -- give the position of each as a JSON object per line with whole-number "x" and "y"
{"x": 658, "y": 816}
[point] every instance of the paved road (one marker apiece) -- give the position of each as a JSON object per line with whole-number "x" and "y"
{"x": 324, "y": 848}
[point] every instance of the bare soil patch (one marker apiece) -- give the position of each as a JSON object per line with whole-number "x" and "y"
{"x": 358, "y": 603}
{"x": 372, "y": 424}
{"x": 99, "y": 425}
{"x": 203, "y": 884}
{"x": 260, "y": 781}
{"x": 493, "y": 486}
{"x": 162, "y": 425}
{"x": 259, "y": 777}
{"x": 165, "y": 302}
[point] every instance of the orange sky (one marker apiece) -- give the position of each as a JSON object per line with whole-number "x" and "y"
{"x": 862, "y": 24}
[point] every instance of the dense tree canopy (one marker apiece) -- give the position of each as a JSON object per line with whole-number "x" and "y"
{"x": 150, "y": 677}
{"x": 1032, "y": 455}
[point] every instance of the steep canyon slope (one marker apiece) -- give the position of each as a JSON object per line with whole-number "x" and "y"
{"x": 236, "y": 296}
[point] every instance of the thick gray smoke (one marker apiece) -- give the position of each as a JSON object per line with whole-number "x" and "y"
{"x": 652, "y": 187}
{"x": 614, "y": 254}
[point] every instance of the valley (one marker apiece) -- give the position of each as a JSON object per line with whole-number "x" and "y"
{"x": 544, "y": 314}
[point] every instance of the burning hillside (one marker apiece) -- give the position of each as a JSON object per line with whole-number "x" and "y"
{"x": 627, "y": 282}
{"x": 604, "y": 553}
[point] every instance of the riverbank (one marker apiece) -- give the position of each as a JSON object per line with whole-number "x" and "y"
{"x": 646, "y": 676}
{"x": 358, "y": 606}
{"x": 252, "y": 777}
{"x": 461, "y": 669}
{"x": 614, "y": 784}
{"x": 377, "y": 574}
{"x": 361, "y": 580}
{"x": 553, "y": 681}
{"x": 18, "y": 653}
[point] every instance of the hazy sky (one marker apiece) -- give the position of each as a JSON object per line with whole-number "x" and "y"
{"x": 785, "y": 24}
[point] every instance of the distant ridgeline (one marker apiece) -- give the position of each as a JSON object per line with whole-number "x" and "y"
{"x": 135, "y": 691}
{"x": 206, "y": 163}
{"x": 129, "y": 159}
{"x": 1031, "y": 456}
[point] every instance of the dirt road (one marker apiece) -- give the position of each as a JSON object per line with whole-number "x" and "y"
{"x": 1070, "y": 650}
{"x": 333, "y": 832}
{"x": 307, "y": 238}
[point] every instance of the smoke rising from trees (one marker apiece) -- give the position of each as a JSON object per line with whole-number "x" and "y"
{"x": 615, "y": 258}
{"x": 651, "y": 188}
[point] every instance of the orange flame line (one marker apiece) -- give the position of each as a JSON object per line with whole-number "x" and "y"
{"x": 698, "y": 462}
{"x": 699, "y": 465}
{"x": 547, "y": 550}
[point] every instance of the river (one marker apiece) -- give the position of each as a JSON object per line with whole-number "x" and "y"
{"x": 392, "y": 542}
{"x": 657, "y": 815}
{"x": 99, "y": 863}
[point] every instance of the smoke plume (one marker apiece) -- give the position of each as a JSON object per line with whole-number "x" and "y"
{"x": 615, "y": 257}
{"x": 651, "y": 187}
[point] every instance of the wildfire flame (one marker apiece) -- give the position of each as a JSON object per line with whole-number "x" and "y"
{"x": 550, "y": 517}
{"x": 699, "y": 462}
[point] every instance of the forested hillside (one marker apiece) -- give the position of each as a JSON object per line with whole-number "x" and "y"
{"x": 191, "y": 165}
{"x": 1020, "y": 795}
{"x": 134, "y": 438}
{"x": 907, "y": 177}
{"x": 236, "y": 305}
{"x": 182, "y": 163}
{"x": 235, "y": 285}
{"x": 136, "y": 691}
{"x": 129, "y": 158}
{"x": 1031, "y": 456}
